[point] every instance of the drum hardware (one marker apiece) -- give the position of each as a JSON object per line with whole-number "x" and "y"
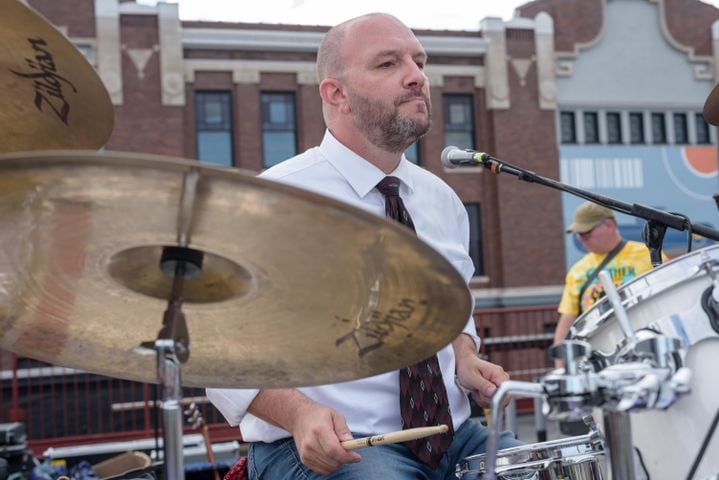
{"x": 504, "y": 391}
{"x": 573, "y": 390}
{"x": 571, "y": 458}
{"x": 619, "y": 310}
{"x": 173, "y": 349}
{"x": 617, "y": 389}
{"x": 172, "y": 345}
{"x": 710, "y": 297}
{"x": 666, "y": 301}
{"x": 711, "y": 307}
{"x": 652, "y": 382}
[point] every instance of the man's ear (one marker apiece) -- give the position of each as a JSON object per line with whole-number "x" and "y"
{"x": 333, "y": 94}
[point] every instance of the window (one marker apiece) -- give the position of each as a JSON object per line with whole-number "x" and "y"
{"x": 412, "y": 153}
{"x": 659, "y": 129}
{"x": 591, "y": 127}
{"x": 475, "y": 237}
{"x": 614, "y": 128}
{"x": 617, "y": 127}
{"x": 568, "y": 128}
{"x": 681, "y": 133}
{"x": 279, "y": 132}
{"x": 214, "y": 127}
{"x": 702, "y": 128}
{"x": 458, "y": 121}
{"x": 636, "y": 127}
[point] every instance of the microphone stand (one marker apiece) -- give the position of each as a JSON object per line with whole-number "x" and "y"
{"x": 657, "y": 221}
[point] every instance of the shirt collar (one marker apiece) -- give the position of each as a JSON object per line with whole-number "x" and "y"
{"x": 362, "y": 175}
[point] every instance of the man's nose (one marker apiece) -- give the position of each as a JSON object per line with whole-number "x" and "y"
{"x": 415, "y": 77}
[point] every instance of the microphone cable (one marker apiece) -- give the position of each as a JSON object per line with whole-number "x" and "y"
{"x": 705, "y": 444}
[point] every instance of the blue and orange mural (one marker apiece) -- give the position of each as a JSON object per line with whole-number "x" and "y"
{"x": 680, "y": 179}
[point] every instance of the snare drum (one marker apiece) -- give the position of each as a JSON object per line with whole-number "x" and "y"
{"x": 574, "y": 458}
{"x": 668, "y": 300}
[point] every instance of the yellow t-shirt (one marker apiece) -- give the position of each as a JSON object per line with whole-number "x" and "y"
{"x": 629, "y": 263}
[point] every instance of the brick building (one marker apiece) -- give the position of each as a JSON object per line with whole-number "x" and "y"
{"x": 246, "y": 95}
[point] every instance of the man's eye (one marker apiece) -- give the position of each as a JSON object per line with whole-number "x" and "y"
{"x": 386, "y": 64}
{"x": 420, "y": 65}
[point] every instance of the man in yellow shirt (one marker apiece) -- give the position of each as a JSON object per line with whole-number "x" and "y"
{"x": 596, "y": 228}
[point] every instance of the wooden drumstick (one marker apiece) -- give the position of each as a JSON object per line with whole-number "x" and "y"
{"x": 394, "y": 437}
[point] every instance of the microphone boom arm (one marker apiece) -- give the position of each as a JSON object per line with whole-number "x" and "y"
{"x": 650, "y": 214}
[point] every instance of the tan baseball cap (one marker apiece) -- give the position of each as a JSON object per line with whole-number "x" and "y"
{"x": 587, "y": 216}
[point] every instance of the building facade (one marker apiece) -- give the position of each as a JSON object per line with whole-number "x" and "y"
{"x": 631, "y": 85}
{"x": 567, "y": 89}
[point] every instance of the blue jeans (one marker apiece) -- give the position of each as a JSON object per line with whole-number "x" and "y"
{"x": 280, "y": 461}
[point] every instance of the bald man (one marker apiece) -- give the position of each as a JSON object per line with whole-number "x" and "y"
{"x": 376, "y": 103}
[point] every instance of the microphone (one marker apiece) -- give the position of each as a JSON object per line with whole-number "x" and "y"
{"x": 453, "y": 157}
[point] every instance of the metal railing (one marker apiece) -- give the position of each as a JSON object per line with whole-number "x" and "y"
{"x": 518, "y": 338}
{"x": 62, "y": 406}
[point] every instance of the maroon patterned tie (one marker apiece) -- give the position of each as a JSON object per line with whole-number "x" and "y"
{"x": 422, "y": 396}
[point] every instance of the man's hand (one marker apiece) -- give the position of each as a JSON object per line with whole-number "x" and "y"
{"x": 316, "y": 429}
{"x": 482, "y": 378}
{"x": 479, "y": 376}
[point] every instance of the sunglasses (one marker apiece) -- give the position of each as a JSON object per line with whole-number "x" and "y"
{"x": 589, "y": 232}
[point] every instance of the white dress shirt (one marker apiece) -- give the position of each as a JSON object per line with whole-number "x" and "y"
{"x": 369, "y": 405}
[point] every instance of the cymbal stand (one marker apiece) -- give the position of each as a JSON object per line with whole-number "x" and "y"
{"x": 173, "y": 341}
{"x": 173, "y": 349}
{"x": 618, "y": 433}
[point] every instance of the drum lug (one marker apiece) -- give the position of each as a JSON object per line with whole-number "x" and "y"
{"x": 710, "y": 297}
{"x": 658, "y": 349}
{"x": 711, "y": 307}
{"x": 572, "y": 353}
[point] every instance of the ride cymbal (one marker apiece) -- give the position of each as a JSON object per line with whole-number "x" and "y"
{"x": 295, "y": 288}
{"x": 50, "y": 96}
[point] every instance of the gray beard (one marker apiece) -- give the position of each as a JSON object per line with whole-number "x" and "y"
{"x": 385, "y": 128}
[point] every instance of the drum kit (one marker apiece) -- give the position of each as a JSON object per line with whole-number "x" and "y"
{"x": 95, "y": 245}
{"x": 642, "y": 360}
{"x": 164, "y": 270}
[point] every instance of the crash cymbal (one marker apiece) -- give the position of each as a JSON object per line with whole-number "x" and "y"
{"x": 50, "y": 96}
{"x": 711, "y": 107}
{"x": 295, "y": 288}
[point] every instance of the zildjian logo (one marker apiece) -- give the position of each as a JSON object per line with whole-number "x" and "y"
{"x": 47, "y": 82}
